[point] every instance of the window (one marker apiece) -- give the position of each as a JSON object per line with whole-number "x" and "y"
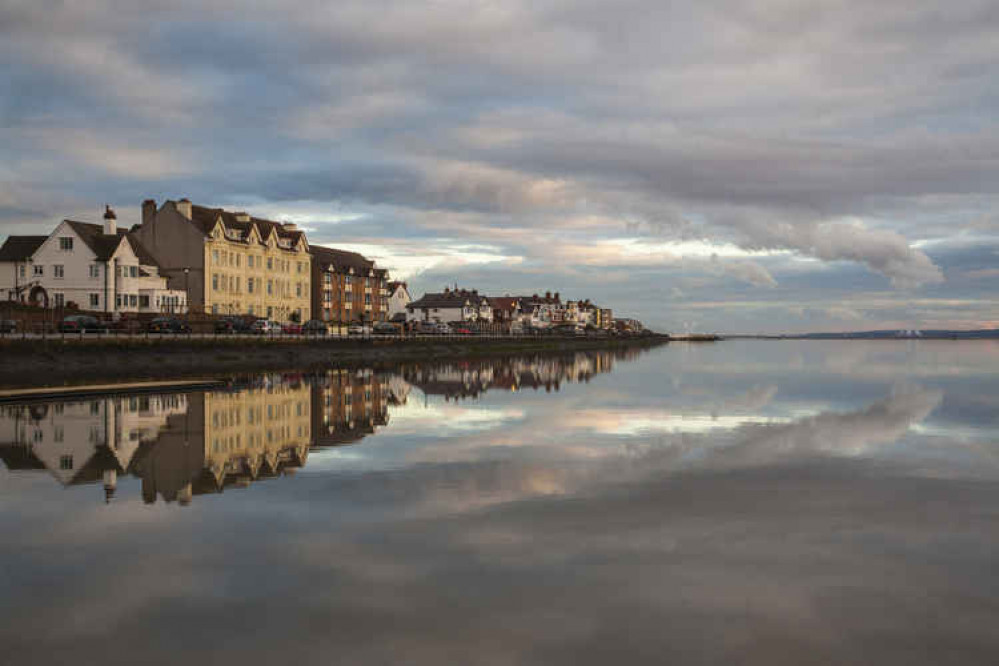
{"x": 95, "y": 300}
{"x": 66, "y": 244}
{"x": 133, "y": 271}
{"x": 298, "y": 289}
{"x": 237, "y": 261}
{"x": 59, "y": 271}
{"x": 143, "y": 301}
{"x": 60, "y": 434}
{"x": 215, "y": 309}
{"x": 270, "y": 290}
{"x": 38, "y": 271}
{"x": 95, "y": 270}
{"x": 249, "y": 261}
{"x": 270, "y": 263}
{"x": 117, "y": 300}
{"x": 21, "y": 270}
{"x": 249, "y": 285}
{"x": 133, "y": 300}
{"x": 60, "y": 300}
{"x": 215, "y": 257}
{"x": 65, "y": 462}
{"x": 215, "y": 281}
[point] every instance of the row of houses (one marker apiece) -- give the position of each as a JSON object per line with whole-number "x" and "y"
{"x": 508, "y": 312}
{"x": 184, "y": 258}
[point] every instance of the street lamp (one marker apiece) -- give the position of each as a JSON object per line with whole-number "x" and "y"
{"x": 187, "y": 293}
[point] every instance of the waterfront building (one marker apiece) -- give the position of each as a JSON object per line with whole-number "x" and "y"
{"x": 347, "y": 287}
{"x": 398, "y": 299}
{"x": 506, "y": 311}
{"x": 541, "y": 311}
{"x": 451, "y": 305}
{"x": 229, "y": 262}
{"x": 91, "y": 267}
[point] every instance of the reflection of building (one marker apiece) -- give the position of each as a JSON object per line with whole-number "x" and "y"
{"x": 469, "y": 378}
{"x": 348, "y": 405}
{"x": 84, "y": 442}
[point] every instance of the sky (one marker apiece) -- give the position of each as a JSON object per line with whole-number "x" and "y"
{"x": 718, "y": 166}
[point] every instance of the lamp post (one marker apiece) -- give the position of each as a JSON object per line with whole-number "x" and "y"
{"x": 187, "y": 293}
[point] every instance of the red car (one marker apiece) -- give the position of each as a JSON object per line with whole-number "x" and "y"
{"x": 291, "y": 327}
{"x": 462, "y": 331}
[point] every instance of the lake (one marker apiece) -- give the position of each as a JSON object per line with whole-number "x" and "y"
{"x": 746, "y": 502}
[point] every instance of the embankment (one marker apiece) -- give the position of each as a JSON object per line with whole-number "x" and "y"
{"x": 54, "y": 362}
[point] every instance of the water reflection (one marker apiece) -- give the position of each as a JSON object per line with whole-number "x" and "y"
{"x": 750, "y": 503}
{"x": 188, "y": 444}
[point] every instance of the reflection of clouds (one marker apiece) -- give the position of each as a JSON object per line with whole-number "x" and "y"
{"x": 446, "y": 419}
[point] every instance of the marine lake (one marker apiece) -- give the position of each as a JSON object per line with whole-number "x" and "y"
{"x": 746, "y": 502}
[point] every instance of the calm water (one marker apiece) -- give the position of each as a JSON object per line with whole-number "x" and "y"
{"x": 738, "y": 503}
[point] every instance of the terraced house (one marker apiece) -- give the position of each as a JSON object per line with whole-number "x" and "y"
{"x": 230, "y": 262}
{"x": 347, "y": 287}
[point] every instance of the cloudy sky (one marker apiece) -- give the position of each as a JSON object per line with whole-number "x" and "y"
{"x": 726, "y": 166}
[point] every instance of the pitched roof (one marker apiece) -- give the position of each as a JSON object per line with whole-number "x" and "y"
{"x": 504, "y": 302}
{"x": 449, "y": 299}
{"x": 204, "y": 218}
{"x": 103, "y": 245}
{"x": 143, "y": 255}
{"x": 328, "y": 256}
{"x": 20, "y": 248}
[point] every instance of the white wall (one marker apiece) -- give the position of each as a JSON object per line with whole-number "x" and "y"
{"x": 76, "y": 285}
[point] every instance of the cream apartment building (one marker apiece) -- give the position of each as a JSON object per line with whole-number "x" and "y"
{"x": 230, "y": 262}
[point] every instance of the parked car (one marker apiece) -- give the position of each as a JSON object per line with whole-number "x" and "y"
{"x": 358, "y": 329}
{"x": 291, "y": 328}
{"x": 569, "y": 329}
{"x": 168, "y": 325}
{"x": 265, "y": 327}
{"x": 463, "y": 331}
{"x": 315, "y": 327}
{"x": 443, "y": 329}
{"x": 8, "y": 326}
{"x": 385, "y": 328}
{"x": 82, "y": 324}
{"x": 232, "y": 325}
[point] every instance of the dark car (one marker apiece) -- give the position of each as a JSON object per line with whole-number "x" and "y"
{"x": 232, "y": 325}
{"x": 315, "y": 327}
{"x": 291, "y": 328}
{"x": 385, "y": 328}
{"x": 8, "y": 326}
{"x": 168, "y": 325}
{"x": 82, "y": 324}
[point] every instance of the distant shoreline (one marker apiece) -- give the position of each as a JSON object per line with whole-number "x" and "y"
{"x": 37, "y": 363}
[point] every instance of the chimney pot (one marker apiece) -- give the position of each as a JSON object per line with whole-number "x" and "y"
{"x": 110, "y": 221}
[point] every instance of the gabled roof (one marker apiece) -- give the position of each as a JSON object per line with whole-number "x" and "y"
{"x": 328, "y": 256}
{"x": 101, "y": 244}
{"x": 449, "y": 299}
{"x": 204, "y": 218}
{"x": 504, "y": 302}
{"x": 20, "y": 248}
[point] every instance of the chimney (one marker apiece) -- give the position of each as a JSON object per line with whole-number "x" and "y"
{"x": 184, "y": 207}
{"x": 242, "y": 217}
{"x": 556, "y": 296}
{"x": 110, "y": 221}
{"x": 148, "y": 211}
{"x": 289, "y": 226}
{"x": 548, "y": 294}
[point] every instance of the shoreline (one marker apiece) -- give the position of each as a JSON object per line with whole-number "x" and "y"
{"x": 33, "y": 364}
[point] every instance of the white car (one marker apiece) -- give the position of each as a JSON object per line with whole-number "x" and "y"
{"x": 358, "y": 329}
{"x": 265, "y": 327}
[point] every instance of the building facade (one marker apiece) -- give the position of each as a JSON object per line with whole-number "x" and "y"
{"x": 229, "y": 262}
{"x": 91, "y": 267}
{"x": 398, "y": 299}
{"x": 450, "y": 305}
{"x": 347, "y": 287}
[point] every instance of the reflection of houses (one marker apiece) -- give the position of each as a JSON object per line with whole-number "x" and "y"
{"x": 468, "y": 379}
{"x": 348, "y": 405}
{"x": 84, "y": 442}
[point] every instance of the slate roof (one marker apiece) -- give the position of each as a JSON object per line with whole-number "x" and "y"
{"x": 328, "y": 256}
{"x": 504, "y": 302}
{"x": 449, "y": 299}
{"x": 20, "y": 248}
{"x": 204, "y": 218}
{"x": 103, "y": 245}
